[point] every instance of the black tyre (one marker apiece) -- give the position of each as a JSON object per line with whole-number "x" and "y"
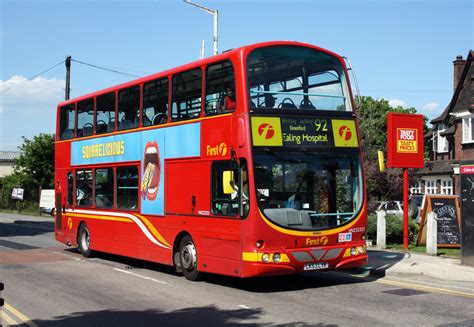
{"x": 189, "y": 259}
{"x": 84, "y": 241}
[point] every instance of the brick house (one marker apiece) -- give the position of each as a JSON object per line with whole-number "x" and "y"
{"x": 451, "y": 137}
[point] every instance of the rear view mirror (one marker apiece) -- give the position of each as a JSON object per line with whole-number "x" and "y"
{"x": 228, "y": 181}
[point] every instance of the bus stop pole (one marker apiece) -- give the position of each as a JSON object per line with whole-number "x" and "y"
{"x": 405, "y": 209}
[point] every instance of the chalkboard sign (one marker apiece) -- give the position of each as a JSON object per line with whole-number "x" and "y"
{"x": 446, "y": 209}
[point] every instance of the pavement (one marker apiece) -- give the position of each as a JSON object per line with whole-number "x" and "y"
{"x": 395, "y": 263}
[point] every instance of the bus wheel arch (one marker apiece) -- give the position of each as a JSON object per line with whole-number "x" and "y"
{"x": 185, "y": 256}
{"x": 84, "y": 240}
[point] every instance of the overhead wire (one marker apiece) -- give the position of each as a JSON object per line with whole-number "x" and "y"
{"x": 104, "y": 68}
{"x": 32, "y": 77}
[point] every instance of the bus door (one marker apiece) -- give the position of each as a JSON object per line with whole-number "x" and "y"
{"x": 58, "y": 207}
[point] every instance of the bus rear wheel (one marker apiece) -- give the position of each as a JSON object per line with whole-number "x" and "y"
{"x": 84, "y": 241}
{"x": 188, "y": 257}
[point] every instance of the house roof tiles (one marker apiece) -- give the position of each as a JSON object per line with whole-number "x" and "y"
{"x": 9, "y": 156}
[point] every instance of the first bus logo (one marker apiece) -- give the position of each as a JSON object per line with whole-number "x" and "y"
{"x": 266, "y": 131}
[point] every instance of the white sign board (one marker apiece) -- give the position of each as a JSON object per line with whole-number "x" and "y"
{"x": 47, "y": 199}
{"x": 17, "y": 194}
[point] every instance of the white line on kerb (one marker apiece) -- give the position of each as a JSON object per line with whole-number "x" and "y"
{"x": 144, "y": 277}
{"x": 243, "y": 306}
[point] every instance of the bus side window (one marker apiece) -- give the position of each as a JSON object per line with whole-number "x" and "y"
{"x": 224, "y": 202}
{"x": 104, "y": 188}
{"x": 84, "y": 187}
{"x": 128, "y": 108}
{"x": 66, "y": 122}
{"x": 155, "y": 102}
{"x": 105, "y": 114}
{"x": 187, "y": 95}
{"x": 127, "y": 188}
{"x": 85, "y": 118}
{"x": 219, "y": 78}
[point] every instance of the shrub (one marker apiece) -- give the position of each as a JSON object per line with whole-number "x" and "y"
{"x": 394, "y": 229}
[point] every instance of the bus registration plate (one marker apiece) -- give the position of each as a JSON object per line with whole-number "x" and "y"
{"x": 316, "y": 266}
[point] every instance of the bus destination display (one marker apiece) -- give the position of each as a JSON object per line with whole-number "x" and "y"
{"x": 304, "y": 132}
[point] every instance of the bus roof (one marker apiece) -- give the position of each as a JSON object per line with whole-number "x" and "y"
{"x": 219, "y": 57}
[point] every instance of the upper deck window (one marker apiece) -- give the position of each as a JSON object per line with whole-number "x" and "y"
{"x": 67, "y": 120}
{"x": 187, "y": 95}
{"x": 105, "y": 113}
{"x": 155, "y": 102}
{"x": 128, "y": 108}
{"x": 85, "y": 118}
{"x": 220, "y": 81}
{"x": 294, "y": 77}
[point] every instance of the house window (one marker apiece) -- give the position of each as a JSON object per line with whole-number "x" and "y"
{"x": 442, "y": 141}
{"x": 435, "y": 142}
{"x": 447, "y": 186}
{"x": 416, "y": 188}
{"x": 467, "y": 130}
{"x": 430, "y": 186}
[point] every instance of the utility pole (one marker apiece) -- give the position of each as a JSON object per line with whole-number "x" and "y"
{"x": 203, "y": 45}
{"x": 215, "y": 13}
{"x": 68, "y": 77}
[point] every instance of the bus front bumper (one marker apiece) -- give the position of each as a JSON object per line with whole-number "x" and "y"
{"x": 293, "y": 266}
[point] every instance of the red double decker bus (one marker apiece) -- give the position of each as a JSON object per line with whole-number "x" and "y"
{"x": 246, "y": 163}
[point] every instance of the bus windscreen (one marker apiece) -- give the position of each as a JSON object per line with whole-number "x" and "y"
{"x": 307, "y": 191}
{"x": 292, "y": 77}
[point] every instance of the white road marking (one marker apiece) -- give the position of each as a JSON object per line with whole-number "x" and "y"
{"x": 243, "y": 306}
{"x": 144, "y": 277}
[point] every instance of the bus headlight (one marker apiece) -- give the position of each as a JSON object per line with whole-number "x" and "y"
{"x": 353, "y": 251}
{"x": 277, "y": 257}
{"x": 360, "y": 250}
{"x": 265, "y": 257}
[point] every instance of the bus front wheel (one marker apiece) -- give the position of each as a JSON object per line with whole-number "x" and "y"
{"x": 84, "y": 241}
{"x": 188, "y": 256}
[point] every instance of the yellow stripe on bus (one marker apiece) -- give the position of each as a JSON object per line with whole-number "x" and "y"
{"x": 80, "y": 215}
{"x": 147, "y": 223}
{"x": 153, "y": 230}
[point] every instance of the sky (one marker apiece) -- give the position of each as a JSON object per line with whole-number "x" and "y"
{"x": 401, "y": 51}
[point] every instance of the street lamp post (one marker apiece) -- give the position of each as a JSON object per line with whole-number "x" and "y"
{"x": 215, "y": 13}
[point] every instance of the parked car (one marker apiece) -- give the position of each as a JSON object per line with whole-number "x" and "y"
{"x": 417, "y": 201}
{"x": 391, "y": 207}
{"x": 49, "y": 211}
{"x": 396, "y": 208}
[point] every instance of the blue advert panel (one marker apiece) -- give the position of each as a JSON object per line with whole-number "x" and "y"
{"x": 151, "y": 148}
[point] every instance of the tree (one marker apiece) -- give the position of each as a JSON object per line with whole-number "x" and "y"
{"x": 35, "y": 166}
{"x": 372, "y": 116}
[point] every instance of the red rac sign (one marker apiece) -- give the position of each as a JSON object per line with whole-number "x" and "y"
{"x": 405, "y": 140}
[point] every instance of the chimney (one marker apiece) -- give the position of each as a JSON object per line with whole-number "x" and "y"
{"x": 459, "y": 64}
